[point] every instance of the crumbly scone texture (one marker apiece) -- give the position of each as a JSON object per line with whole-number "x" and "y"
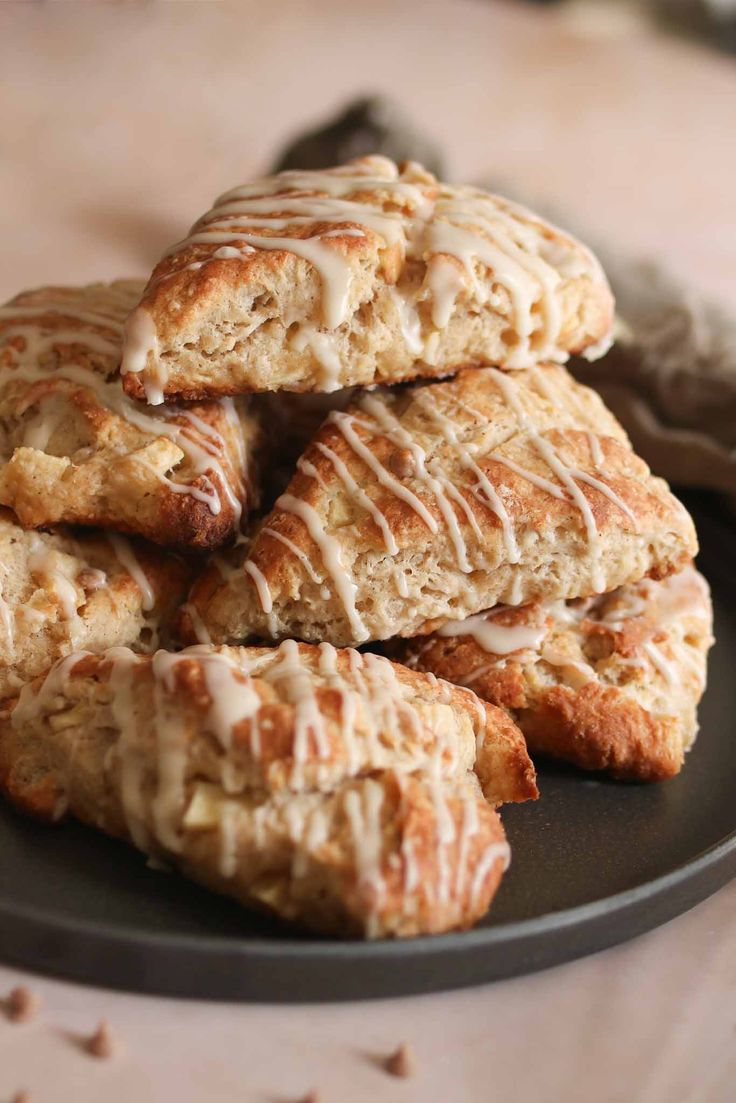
{"x": 606, "y": 683}
{"x": 431, "y": 503}
{"x": 75, "y": 449}
{"x": 63, "y": 592}
{"x": 335, "y": 789}
{"x": 377, "y": 274}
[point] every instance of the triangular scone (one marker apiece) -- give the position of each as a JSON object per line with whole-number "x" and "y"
{"x": 75, "y": 448}
{"x": 61, "y": 592}
{"x": 418, "y": 506}
{"x": 362, "y": 274}
{"x": 607, "y": 683}
{"x": 334, "y": 788}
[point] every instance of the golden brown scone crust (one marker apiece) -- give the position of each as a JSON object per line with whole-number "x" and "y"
{"x": 61, "y": 592}
{"x": 75, "y": 449}
{"x": 607, "y": 683}
{"x": 493, "y": 486}
{"x": 338, "y": 790}
{"x": 403, "y": 277}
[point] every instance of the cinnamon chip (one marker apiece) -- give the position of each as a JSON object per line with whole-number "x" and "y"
{"x": 311, "y": 1097}
{"x": 401, "y": 1062}
{"x": 402, "y": 463}
{"x": 102, "y": 1043}
{"x": 21, "y": 1097}
{"x": 22, "y": 1005}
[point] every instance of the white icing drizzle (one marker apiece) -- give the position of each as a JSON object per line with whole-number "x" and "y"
{"x": 426, "y": 399}
{"x": 228, "y": 826}
{"x": 445, "y": 836}
{"x": 497, "y": 245}
{"x": 198, "y": 626}
{"x": 530, "y": 476}
{"x": 130, "y": 754}
{"x": 33, "y": 699}
{"x": 127, "y": 558}
{"x": 332, "y": 266}
{"x": 201, "y": 444}
{"x": 330, "y": 551}
{"x": 493, "y": 853}
{"x": 264, "y": 593}
{"x": 606, "y": 490}
{"x": 167, "y": 805}
{"x": 303, "y": 559}
{"x": 345, "y": 423}
{"x": 234, "y": 699}
{"x": 550, "y": 654}
{"x": 400, "y": 582}
{"x": 7, "y": 620}
{"x": 469, "y": 830}
{"x": 348, "y": 706}
{"x": 541, "y": 378}
{"x": 298, "y": 686}
{"x": 661, "y": 664}
{"x": 326, "y": 353}
{"x": 351, "y": 486}
{"x": 363, "y": 809}
{"x": 444, "y": 282}
{"x": 657, "y": 604}
{"x": 309, "y": 469}
{"x": 41, "y": 427}
{"x": 509, "y": 389}
{"x": 371, "y": 174}
{"x": 140, "y": 343}
{"x": 497, "y": 639}
{"x": 596, "y": 452}
{"x": 157, "y": 797}
{"x": 60, "y": 577}
{"x": 410, "y": 323}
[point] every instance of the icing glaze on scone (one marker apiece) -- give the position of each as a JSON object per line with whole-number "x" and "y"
{"x": 61, "y": 591}
{"x": 336, "y": 788}
{"x": 65, "y": 411}
{"x": 409, "y": 506}
{"x": 606, "y": 682}
{"x": 422, "y": 258}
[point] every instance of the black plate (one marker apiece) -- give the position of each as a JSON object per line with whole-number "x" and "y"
{"x": 594, "y": 862}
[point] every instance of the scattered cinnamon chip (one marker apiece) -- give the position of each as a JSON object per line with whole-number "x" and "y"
{"x": 22, "y": 1005}
{"x": 311, "y": 1097}
{"x": 21, "y": 1097}
{"x": 403, "y": 463}
{"x": 401, "y": 1062}
{"x": 102, "y": 1043}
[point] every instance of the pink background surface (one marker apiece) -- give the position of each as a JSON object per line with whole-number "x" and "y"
{"x": 118, "y": 125}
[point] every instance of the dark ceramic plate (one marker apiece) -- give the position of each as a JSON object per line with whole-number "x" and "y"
{"x": 594, "y": 863}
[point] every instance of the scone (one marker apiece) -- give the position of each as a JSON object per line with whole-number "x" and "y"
{"x": 419, "y": 506}
{"x": 366, "y": 273}
{"x": 335, "y": 789}
{"x": 607, "y": 683}
{"x": 74, "y": 448}
{"x": 61, "y": 592}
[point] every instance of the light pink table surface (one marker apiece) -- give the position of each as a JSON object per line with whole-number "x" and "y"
{"x": 118, "y": 124}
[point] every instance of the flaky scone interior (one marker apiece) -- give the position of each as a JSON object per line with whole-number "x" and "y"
{"x": 336, "y": 789}
{"x": 609, "y": 683}
{"x": 366, "y": 273}
{"x": 74, "y": 448}
{"x": 68, "y": 590}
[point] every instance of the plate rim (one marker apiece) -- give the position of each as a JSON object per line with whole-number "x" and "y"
{"x": 328, "y": 950}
